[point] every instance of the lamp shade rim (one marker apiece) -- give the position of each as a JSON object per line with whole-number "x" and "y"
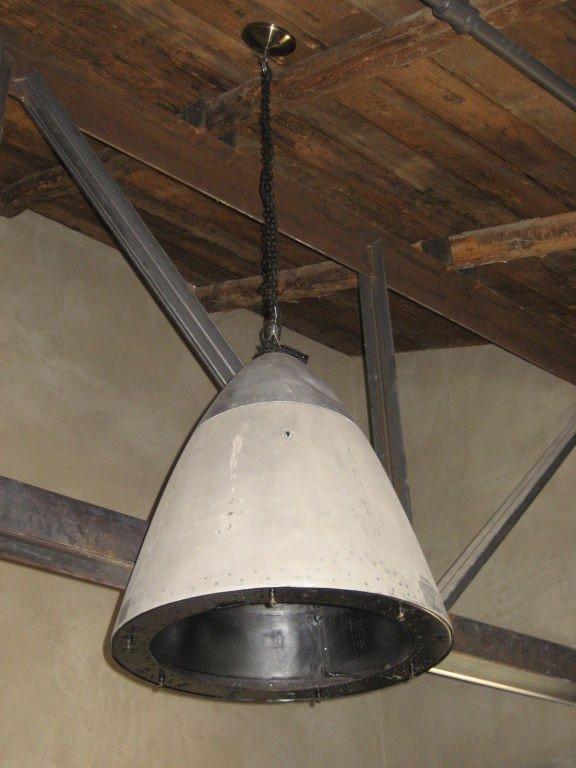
{"x": 428, "y": 638}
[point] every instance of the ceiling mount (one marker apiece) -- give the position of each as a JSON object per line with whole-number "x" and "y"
{"x": 267, "y": 38}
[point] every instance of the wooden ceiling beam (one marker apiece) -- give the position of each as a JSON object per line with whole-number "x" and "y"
{"x": 66, "y": 536}
{"x": 200, "y": 161}
{"x": 509, "y": 242}
{"x": 54, "y": 183}
{"x": 412, "y": 38}
{"x": 308, "y": 282}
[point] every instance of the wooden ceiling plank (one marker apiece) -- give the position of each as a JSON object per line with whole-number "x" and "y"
{"x": 512, "y": 91}
{"x": 4, "y": 86}
{"x": 329, "y": 22}
{"x": 451, "y": 99}
{"x": 186, "y": 209}
{"x": 217, "y": 14}
{"x": 413, "y": 38}
{"x": 137, "y": 54}
{"x": 390, "y": 11}
{"x": 538, "y": 289}
{"x": 430, "y": 136}
{"x": 426, "y": 187}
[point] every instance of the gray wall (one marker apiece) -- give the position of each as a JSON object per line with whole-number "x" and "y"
{"x": 97, "y": 394}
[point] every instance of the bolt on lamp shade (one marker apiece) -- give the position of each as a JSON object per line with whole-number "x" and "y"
{"x": 279, "y": 564}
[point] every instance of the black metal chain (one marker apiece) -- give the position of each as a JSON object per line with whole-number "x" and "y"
{"x": 270, "y": 335}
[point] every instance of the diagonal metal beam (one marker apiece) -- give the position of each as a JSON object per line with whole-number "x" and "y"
{"x": 141, "y": 248}
{"x": 62, "y": 535}
{"x": 381, "y": 379}
{"x": 488, "y": 539}
{"x": 4, "y": 85}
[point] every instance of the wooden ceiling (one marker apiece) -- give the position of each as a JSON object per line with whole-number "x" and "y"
{"x": 427, "y": 147}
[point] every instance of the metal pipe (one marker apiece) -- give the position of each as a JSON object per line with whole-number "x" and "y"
{"x": 466, "y": 20}
{"x": 143, "y": 251}
{"x": 488, "y": 539}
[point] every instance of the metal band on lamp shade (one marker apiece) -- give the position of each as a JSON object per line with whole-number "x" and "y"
{"x": 279, "y": 564}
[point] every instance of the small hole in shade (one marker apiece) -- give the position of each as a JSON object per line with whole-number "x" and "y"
{"x": 287, "y": 434}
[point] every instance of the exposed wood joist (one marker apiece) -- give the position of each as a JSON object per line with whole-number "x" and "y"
{"x": 54, "y": 183}
{"x": 520, "y": 240}
{"x": 509, "y": 242}
{"x": 309, "y": 282}
{"x": 71, "y": 537}
{"x": 163, "y": 142}
{"x": 415, "y": 37}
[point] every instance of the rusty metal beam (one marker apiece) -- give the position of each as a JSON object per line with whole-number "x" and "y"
{"x": 510, "y": 661}
{"x": 62, "y": 535}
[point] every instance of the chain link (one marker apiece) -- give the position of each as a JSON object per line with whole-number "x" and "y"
{"x": 270, "y": 335}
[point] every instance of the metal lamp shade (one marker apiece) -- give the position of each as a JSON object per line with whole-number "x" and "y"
{"x": 279, "y": 564}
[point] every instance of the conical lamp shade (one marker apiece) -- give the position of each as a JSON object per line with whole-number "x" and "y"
{"x": 279, "y": 564}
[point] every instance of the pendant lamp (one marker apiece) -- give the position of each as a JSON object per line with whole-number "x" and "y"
{"x": 279, "y": 564}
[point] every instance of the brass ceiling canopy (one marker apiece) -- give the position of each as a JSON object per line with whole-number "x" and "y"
{"x": 267, "y": 38}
